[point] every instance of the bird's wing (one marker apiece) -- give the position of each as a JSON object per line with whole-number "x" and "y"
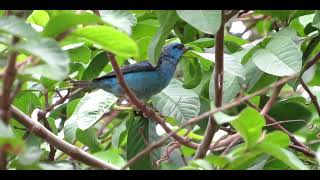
{"x": 137, "y": 67}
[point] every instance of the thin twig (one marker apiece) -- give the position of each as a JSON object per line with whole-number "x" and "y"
{"x": 235, "y": 140}
{"x": 272, "y": 100}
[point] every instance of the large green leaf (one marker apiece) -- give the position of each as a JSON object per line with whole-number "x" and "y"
{"x": 109, "y": 39}
{"x": 249, "y": 124}
{"x": 231, "y": 87}
{"x": 232, "y": 64}
{"x": 137, "y": 135}
{"x": 48, "y": 50}
{"x": 27, "y": 102}
{"x": 88, "y": 137}
{"x": 88, "y": 111}
{"x": 111, "y": 156}
{"x": 316, "y": 20}
{"x": 275, "y": 144}
{"x": 121, "y": 19}
{"x": 62, "y": 22}
{"x": 17, "y": 27}
{"x": 207, "y": 21}
{"x": 280, "y": 57}
{"x": 167, "y": 20}
{"x": 39, "y": 17}
{"x": 192, "y": 72}
{"x": 95, "y": 66}
{"x": 177, "y": 102}
{"x": 286, "y": 110}
{"x": 91, "y": 107}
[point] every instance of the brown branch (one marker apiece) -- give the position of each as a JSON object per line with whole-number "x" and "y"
{"x": 76, "y": 153}
{"x": 232, "y": 143}
{"x": 204, "y": 115}
{"x": 218, "y": 86}
{"x": 314, "y": 60}
{"x": 9, "y": 76}
{"x": 106, "y": 120}
{"x": 8, "y": 79}
{"x": 271, "y": 101}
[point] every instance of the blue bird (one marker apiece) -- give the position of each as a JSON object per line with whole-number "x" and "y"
{"x": 142, "y": 78}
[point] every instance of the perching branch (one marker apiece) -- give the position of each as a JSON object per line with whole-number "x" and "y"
{"x": 147, "y": 111}
{"x": 191, "y": 121}
{"x": 71, "y": 150}
{"x": 218, "y": 86}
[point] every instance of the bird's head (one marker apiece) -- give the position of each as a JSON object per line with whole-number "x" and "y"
{"x": 175, "y": 51}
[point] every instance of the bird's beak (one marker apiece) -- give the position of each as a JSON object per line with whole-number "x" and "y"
{"x": 186, "y": 49}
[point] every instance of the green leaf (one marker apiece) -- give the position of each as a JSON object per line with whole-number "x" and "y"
{"x": 136, "y": 143}
{"x": 95, "y": 66}
{"x": 27, "y": 102}
{"x": 109, "y": 39}
{"x": 118, "y": 132}
{"x": 64, "y": 21}
{"x": 177, "y": 102}
{"x": 231, "y": 63}
{"x": 316, "y": 20}
{"x": 192, "y": 73}
{"x": 121, "y": 19}
{"x": 286, "y": 110}
{"x": 88, "y": 137}
{"x": 207, "y": 21}
{"x": 80, "y": 54}
{"x": 249, "y": 124}
{"x": 146, "y": 28}
{"x": 111, "y": 156}
{"x": 39, "y": 17}
{"x": 72, "y": 106}
{"x": 167, "y": 20}
{"x": 91, "y": 107}
{"x": 280, "y": 57}
{"x": 231, "y": 84}
{"x": 88, "y": 111}
{"x": 57, "y": 61}
{"x": 275, "y": 144}
{"x": 17, "y": 27}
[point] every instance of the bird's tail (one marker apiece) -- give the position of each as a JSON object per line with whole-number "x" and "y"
{"x": 79, "y": 84}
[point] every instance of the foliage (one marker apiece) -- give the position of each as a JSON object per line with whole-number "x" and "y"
{"x": 56, "y": 46}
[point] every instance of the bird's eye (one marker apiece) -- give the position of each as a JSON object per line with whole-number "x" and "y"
{"x": 180, "y": 47}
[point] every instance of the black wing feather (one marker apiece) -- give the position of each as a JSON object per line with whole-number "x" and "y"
{"x": 136, "y": 67}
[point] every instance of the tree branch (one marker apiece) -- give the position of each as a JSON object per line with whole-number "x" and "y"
{"x": 218, "y": 86}
{"x": 147, "y": 111}
{"x": 71, "y": 150}
{"x": 8, "y": 79}
{"x": 271, "y": 101}
{"x": 206, "y": 114}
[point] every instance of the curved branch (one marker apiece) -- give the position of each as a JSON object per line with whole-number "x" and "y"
{"x": 73, "y": 151}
